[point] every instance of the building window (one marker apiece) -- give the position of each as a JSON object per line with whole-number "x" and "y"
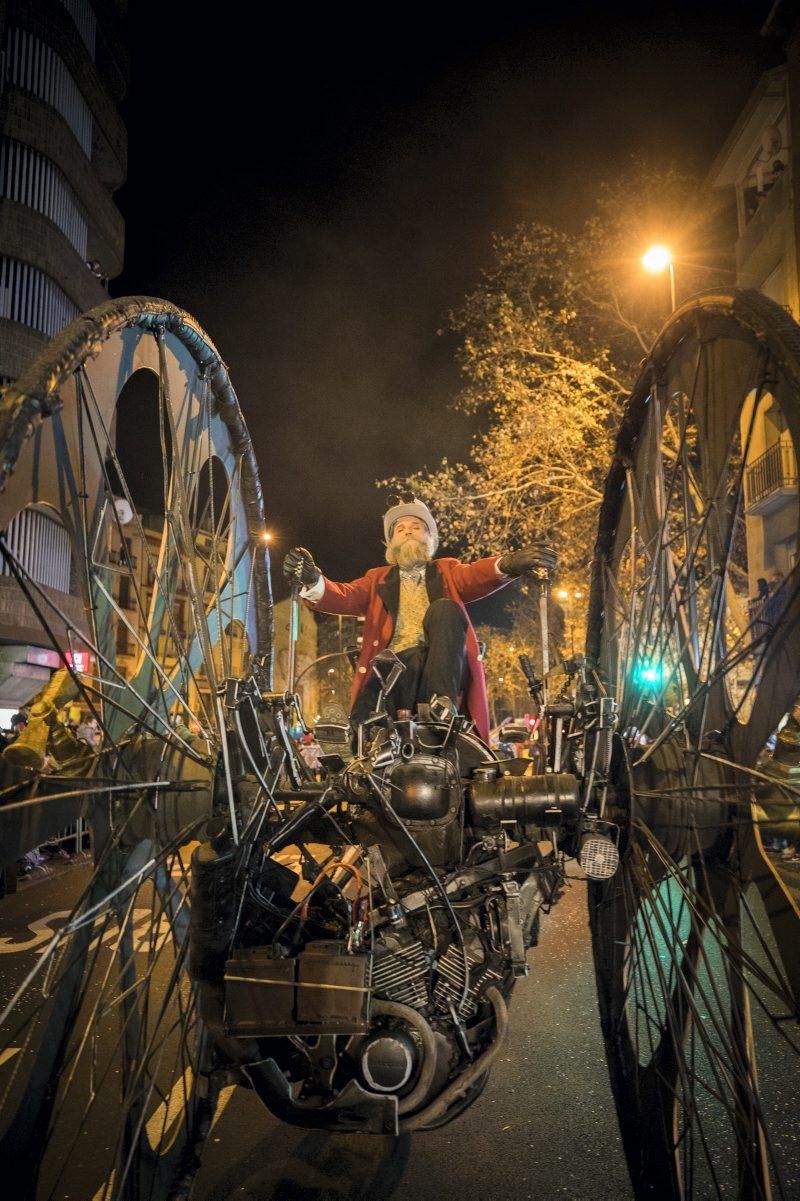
{"x": 29, "y": 296}
{"x": 124, "y": 595}
{"x": 774, "y": 424}
{"x": 31, "y": 179}
{"x": 35, "y": 67}
{"x": 123, "y": 638}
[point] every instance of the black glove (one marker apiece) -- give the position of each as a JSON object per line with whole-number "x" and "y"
{"x": 539, "y": 559}
{"x": 300, "y": 568}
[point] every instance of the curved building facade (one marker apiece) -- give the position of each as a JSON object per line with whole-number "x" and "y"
{"x": 63, "y": 152}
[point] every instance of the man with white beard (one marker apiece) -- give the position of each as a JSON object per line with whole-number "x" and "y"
{"x": 415, "y": 607}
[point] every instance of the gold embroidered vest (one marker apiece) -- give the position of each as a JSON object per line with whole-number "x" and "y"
{"x": 413, "y": 606}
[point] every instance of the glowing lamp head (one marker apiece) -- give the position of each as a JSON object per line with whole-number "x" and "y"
{"x": 647, "y": 673}
{"x": 266, "y": 537}
{"x": 656, "y": 259}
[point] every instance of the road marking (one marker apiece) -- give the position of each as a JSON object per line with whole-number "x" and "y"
{"x": 163, "y": 1126}
{"x": 7, "y": 1054}
{"x": 225, "y": 1096}
{"x": 173, "y": 1104}
{"x": 162, "y": 1130}
{"x": 106, "y": 1189}
{"x": 43, "y": 931}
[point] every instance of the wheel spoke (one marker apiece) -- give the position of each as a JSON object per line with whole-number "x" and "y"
{"x": 696, "y": 946}
{"x": 168, "y": 595}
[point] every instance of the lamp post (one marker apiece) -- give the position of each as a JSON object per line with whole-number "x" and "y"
{"x": 656, "y": 260}
{"x": 570, "y": 596}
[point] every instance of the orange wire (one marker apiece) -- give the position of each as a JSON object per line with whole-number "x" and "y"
{"x": 351, "y": 867}
{"x": 333, "y": 864}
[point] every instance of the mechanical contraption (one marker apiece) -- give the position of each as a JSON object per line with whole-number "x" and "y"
{"x": 357, "y": 941}
{"x": 345, "y": 940}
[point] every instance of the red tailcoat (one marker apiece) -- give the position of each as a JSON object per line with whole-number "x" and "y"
{"x": 375, "y": 597}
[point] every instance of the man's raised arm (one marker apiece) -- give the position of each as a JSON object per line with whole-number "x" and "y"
{"x": 322, "y": 594}
{"x": 481, "y": 578}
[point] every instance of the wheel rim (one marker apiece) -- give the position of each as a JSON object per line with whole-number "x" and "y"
{"x": 695, "y": 940}
{"x": 150, "y": 619}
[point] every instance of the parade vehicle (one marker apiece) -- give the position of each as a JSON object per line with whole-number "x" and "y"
{"x": 345, "y": 939}
{"x": 375, "y": 997}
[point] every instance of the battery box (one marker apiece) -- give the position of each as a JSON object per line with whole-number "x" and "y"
{"x": 323, "y": 990}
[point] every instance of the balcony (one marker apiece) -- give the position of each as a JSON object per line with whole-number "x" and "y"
{"x": 765, "y": 611}
{"x": 770, "y": 209}
{"x": 123, "y": 558}
{"x": 770, "y": 481}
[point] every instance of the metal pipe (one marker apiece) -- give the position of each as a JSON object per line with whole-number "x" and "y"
{"x": 418, "y": 1023}
{"x": 294, "y": 634}
{"x": 226, "y": 763}
{"x": 461, "y": 1085}
{"x": 545, "y": 632}
{"x": 543, "y": 590}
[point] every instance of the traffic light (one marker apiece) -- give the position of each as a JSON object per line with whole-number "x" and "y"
{"x": 647, "y": 673}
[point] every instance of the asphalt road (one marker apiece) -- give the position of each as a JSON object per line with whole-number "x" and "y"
{"x": 544, "y": 1128}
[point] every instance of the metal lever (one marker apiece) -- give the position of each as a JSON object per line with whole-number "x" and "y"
{"x": 294, "y": 634}
{"x": 541, "y": 578}
{"x": 543, "y": 585}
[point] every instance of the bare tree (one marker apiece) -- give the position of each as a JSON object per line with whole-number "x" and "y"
{"x": 552, "y": 338}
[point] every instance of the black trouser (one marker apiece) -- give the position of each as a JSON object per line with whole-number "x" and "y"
{"x": 436, "y": 667}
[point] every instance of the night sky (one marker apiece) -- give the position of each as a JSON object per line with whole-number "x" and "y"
{"x": 320, "y": 196}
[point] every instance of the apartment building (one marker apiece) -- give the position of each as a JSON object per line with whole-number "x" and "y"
{"x": 63, "y": 152}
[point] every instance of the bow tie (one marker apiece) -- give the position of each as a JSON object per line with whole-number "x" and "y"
{"x": 415, "y": 575}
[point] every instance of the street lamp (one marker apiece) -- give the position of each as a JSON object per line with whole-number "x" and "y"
{"x": 569, "y": 596}
{"x": 658, "y": 259}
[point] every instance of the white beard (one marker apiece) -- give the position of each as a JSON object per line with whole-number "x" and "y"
{"x": 409, "y": 553}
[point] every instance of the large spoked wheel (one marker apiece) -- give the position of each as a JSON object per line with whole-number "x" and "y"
{"x": 695, "y": 631}
{"x": 134, "y": 570}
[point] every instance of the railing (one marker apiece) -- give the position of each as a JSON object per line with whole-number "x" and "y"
{"x": 770, "y": 472}
{"x": 31, "y": 179}
{"x": 30, "y": 297}
{"x": 122, "y": 558}
{"x": 40, "y": 544}
{"x": 765, "y": 611}
{"x": 82, "y": 14}
{"x": 763, "y": 219}
{"x": 74, "y": 838}
{"x": 34, "y": 66}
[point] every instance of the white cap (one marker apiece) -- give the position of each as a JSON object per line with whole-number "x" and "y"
{"x": 412, "y": 508}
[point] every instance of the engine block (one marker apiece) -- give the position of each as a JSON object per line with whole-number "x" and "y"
{"x": 449, "y": 989}
{"x": 400, "y": 973}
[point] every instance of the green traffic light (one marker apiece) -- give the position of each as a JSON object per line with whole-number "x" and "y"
{"x": 647, "y": 673}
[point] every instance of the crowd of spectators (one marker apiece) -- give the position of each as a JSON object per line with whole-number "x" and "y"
{"x": 66, "y": 844}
